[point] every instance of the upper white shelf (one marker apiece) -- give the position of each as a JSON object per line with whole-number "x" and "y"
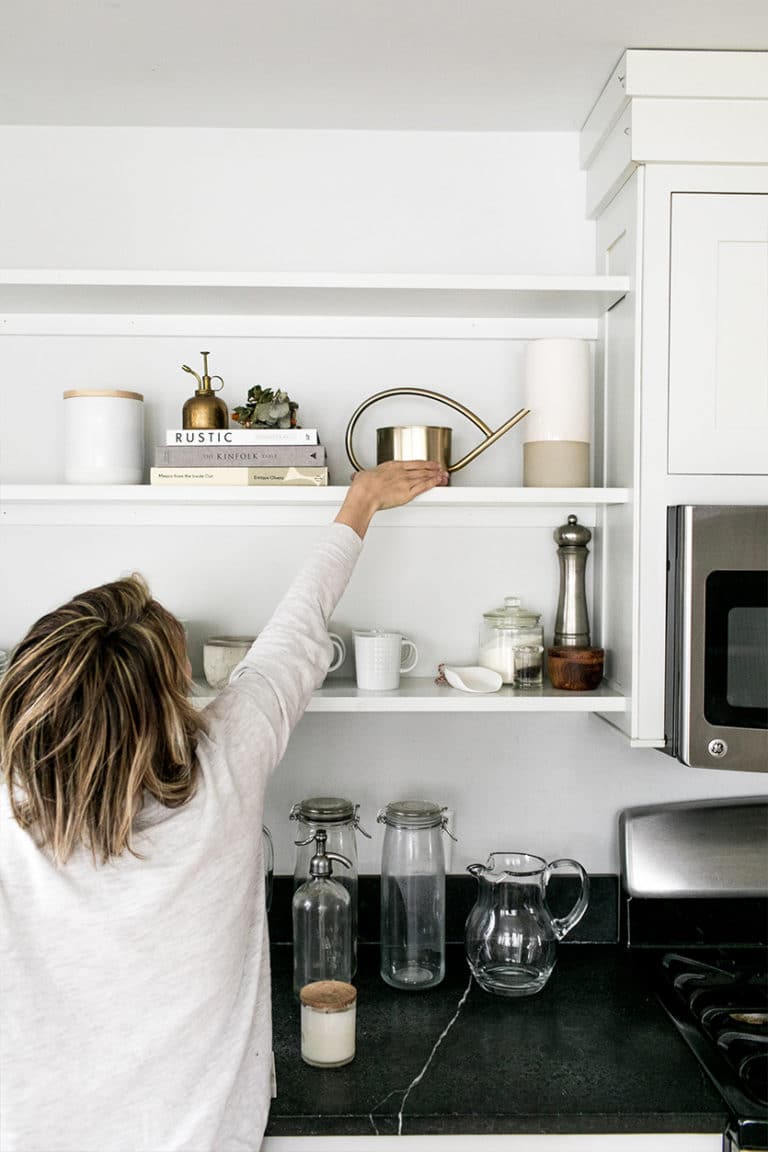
{"x": 132, "y": 292}
{"x": 144, "y": 504}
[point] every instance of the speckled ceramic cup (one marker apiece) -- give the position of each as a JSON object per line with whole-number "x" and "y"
{"x": 221, "y": 655}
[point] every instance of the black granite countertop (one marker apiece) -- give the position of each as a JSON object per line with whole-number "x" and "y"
{"x": 594, "y": 1052}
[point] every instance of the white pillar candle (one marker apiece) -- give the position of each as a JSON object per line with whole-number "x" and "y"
{"x": 328, "y": 1019}
{"x": 557, "y": 390}
{"x": 557, "y": 431}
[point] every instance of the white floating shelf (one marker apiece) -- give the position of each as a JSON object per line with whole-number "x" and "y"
{"x": 104, "y": 505}
{"x": 421, "y": 694}
{"x": 135, "y": 292}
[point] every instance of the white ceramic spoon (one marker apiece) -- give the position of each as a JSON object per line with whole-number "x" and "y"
{"x": 473, "y": 679}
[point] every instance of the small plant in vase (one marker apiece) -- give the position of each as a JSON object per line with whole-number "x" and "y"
{"x": 266, "y": 408}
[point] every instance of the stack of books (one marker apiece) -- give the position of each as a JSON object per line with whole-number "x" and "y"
{"x": 242, "y": 456}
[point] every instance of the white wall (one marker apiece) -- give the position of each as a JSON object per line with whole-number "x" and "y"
{"x": 301, "y": 201}
{"x": 548, "y": 784}
{"x": 334, "y": 201}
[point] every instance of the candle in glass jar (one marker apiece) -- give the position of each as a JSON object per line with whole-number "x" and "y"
{"x": 529, "y": 666}
{"x": 328, "y": 1018}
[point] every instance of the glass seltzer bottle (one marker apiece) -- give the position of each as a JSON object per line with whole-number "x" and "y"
{"x": 339, "y": 818}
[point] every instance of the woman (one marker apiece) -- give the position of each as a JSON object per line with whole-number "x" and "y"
{"x": 134, "y": 952}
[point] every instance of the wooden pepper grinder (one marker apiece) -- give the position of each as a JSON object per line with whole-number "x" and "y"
{"x": 205, "y": 409}
{"x": 572, "y": 663}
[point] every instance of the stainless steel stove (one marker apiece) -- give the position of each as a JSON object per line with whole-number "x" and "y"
{"x": 695, "y": 879}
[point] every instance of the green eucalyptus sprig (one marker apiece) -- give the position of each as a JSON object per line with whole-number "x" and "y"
{"x": 266, "y": 408}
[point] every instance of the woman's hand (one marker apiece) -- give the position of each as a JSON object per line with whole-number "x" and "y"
{"x": 387, "y": 486}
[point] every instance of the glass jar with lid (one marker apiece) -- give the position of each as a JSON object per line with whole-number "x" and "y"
{"x": 412, "y": 894}
{"x": 340, "y": 820}
{"x": 512, "y": 643}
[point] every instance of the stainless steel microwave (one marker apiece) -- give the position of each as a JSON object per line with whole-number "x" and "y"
{"x": 717, "y": 637}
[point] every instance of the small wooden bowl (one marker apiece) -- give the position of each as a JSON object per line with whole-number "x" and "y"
{"x": 575, "y": 669}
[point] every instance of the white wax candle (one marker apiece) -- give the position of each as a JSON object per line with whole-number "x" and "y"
{"x": 328, "y": 1019}
{"x": 557, "y": 390}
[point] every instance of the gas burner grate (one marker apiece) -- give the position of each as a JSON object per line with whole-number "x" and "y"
{"x": 720, "y": 1005}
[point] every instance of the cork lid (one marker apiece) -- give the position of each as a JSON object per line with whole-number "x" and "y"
{"x": 328, "y": 995}
{"x": 119, "y": 392}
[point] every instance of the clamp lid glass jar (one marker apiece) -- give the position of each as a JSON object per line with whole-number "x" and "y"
{"x": 512, "y": 643}
{"x": 339, "y": 818}
{"x": 412, "y": 894}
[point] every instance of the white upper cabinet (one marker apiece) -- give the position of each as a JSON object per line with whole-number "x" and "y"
{"x": 718, "y": 339}
{"x": 677, "y": 178}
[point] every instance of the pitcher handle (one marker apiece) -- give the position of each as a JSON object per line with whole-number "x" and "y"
{"x": 564, "y": 924}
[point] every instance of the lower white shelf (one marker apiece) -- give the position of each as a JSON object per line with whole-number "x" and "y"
{"x": 421, "y": 694}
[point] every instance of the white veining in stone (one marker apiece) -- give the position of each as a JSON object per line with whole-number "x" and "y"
{"x": 423, "y": 1071}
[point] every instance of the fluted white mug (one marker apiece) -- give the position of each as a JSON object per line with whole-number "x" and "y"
{"x": 380, "y": 657}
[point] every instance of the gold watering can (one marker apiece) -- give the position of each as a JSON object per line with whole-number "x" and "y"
{"x": 425, "y": 442}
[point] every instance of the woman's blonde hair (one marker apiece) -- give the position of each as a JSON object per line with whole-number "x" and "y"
{"x": 93, "y": 712}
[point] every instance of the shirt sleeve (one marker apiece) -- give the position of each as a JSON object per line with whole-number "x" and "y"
{"x": 270, "y": 688}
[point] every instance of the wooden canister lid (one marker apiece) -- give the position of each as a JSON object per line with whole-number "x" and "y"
{"x": 328, "y": 995}
{"x": 103, "y": 392}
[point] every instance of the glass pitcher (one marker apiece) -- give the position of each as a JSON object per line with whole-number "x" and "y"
{"x": 510, "y": 935}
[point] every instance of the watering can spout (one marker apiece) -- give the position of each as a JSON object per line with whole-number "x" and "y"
{"x": 435, "y": 448}
{"x": 491, "y": 438}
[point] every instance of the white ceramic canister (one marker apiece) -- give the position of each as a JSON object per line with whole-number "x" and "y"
{"x": 103, "y": 436}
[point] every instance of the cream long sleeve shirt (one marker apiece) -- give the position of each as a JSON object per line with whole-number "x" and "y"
{"x": 135, "y": 1012}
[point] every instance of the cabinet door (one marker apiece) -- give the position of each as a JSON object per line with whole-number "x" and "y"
{"x": 718, "y": 351}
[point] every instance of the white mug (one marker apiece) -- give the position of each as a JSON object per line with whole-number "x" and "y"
{"x": 339, "y": 651}
{"x": 380, "y": 657}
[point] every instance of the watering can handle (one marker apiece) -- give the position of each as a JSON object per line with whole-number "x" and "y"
{"x": 490, "y": 436}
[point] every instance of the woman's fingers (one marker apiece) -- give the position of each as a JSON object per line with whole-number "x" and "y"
{"x": 404, "y": 479}
{"x": 414, "y": 471}
{"x": 388, "y": 485}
